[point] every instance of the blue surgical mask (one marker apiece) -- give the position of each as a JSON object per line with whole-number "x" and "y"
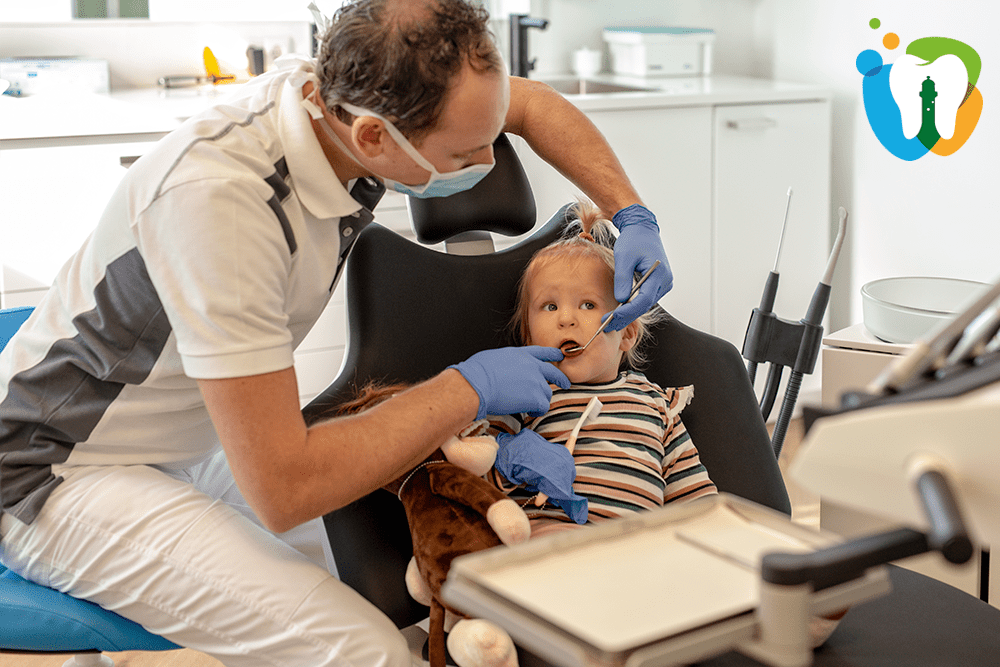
{"x": 438, "y": 185}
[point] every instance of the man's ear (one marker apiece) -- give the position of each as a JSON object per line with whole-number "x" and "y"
{"x": 630, "y": 336}
{"x": 369, "y": 135}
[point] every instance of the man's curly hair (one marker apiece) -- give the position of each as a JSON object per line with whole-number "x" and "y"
{"x": 398, "y": 57}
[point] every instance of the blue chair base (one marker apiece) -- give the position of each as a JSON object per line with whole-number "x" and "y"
{"x": 36, "y": 618}
{"x": 11, "y": 320}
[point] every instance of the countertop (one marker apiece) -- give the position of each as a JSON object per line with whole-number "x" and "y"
{"x": 144, "y": 114}
{"x": 857, "y": 337}
{"x": 693, "y": 91}
{"x": 150, "y": 113}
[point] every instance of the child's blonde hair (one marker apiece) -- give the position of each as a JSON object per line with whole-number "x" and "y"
{"x": 589, "y": 235}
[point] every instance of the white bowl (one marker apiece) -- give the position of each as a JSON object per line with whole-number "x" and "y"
{"x": 901, "y": 310}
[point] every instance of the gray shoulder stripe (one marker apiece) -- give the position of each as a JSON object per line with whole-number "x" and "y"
{"x": 281, "y": 167}
{"x": 286, "y": 225}
{"x": 58, "y": 402}
{"x": 218, "y": 135}
{"x": 277, "y": 180}
{"x": 281, "y": 191}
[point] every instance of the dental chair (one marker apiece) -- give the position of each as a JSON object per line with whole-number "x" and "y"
{"x": 39, "y": 619}
{"x": 413, "y": 311}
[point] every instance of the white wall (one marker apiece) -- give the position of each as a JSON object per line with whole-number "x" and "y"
{"x": 174, "y": 10}
{"x": 935, "y": 216}
{"x": 140, "y": 52}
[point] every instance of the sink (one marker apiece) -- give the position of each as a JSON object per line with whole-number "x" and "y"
{"x": 591, "y": 87}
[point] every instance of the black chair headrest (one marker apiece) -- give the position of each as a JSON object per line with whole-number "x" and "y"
{"x": 502, "y": 202}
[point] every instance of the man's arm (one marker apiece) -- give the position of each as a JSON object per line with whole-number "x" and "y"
{"x": 563, "y": 136}
{"x": 290, "y": 474}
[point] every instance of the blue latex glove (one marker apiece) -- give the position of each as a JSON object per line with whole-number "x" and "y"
{"x": 510, "y": 380}
{"x": 637, "y": 247}
{"x": 528, "y": 458}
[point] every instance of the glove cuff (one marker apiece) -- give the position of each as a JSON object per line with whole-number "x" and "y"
{"x": 481, "y": 412}
{"x": 633, "y": 215}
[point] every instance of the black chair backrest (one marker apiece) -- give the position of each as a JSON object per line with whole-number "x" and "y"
{"x": 413, "y": 311}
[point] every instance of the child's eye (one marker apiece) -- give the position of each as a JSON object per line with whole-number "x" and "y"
{"x": 549, "y": 307}
{"x": 588, "y": 305}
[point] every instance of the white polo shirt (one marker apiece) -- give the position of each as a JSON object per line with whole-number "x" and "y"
{"x": 214, "y": 258}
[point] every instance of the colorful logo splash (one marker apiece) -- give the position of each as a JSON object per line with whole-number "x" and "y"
{"x": 925, "y": 101}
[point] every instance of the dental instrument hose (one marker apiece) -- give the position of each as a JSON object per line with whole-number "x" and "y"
{"x": 774, "y": 373}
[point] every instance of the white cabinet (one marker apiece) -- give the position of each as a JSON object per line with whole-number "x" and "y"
{"x": 761, "y": 150}
{"x": 716, "y": 176}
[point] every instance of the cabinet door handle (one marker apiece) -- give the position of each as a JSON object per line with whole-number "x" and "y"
{"x": 751, "y": 124}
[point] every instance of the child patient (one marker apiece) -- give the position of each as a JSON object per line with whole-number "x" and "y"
{"x": 636, "y": 454}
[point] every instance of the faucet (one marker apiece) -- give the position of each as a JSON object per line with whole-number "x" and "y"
{"x": 519, "y": 24}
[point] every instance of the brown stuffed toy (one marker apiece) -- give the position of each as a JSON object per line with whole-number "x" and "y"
{"x": 453, "y": 511}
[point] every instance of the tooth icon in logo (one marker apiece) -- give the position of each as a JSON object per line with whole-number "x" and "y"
{"x": 926, "y": 101}
{"x": 928, "y": 95}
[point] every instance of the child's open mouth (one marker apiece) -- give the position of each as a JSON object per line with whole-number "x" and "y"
{"x": 570, "y": 348}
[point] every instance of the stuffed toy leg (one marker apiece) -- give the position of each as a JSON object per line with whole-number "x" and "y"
{"x": 452, "y": 512}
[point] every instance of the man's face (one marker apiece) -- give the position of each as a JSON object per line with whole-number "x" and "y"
{"x": 567, "y": 297}
{"x": 474, "y": 114}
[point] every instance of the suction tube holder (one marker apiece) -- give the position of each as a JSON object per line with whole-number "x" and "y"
{"x": 780, "y": 342}
{"x": 948, "y": 532}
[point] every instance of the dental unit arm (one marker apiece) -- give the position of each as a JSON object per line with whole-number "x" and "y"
{"x": 918, "y": 448}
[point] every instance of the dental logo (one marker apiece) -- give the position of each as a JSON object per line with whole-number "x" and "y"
{"x": 925, "y": 101}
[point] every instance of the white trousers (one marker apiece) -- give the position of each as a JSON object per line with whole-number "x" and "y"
{"x": 194, "y": 570}
{"x": 215, "y": 478}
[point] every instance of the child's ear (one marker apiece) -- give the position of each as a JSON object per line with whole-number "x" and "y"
{"x": 630, "y": 336}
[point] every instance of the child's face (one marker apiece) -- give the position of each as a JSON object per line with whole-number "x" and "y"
{"x": 567, "y": 297}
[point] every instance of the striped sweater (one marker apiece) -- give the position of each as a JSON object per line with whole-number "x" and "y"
{"x": 636, "y": 455}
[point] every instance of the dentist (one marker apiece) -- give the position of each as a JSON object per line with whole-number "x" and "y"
{"x": 172, "y": 330}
